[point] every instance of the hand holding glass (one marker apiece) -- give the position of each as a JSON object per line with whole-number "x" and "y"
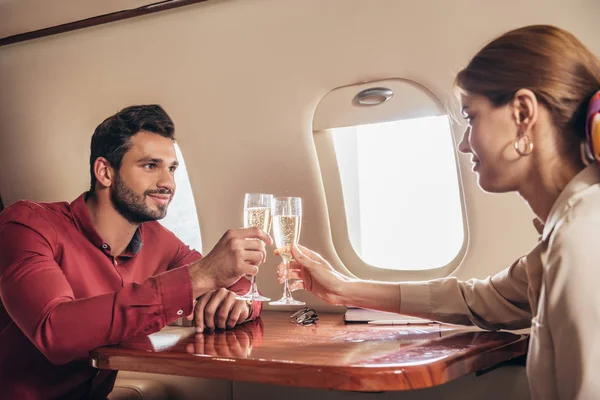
{"x": 287, "y": 218}
{"x": 257, "y": 213}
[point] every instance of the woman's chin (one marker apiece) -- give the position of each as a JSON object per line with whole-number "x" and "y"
{"x": 491, "y": 185}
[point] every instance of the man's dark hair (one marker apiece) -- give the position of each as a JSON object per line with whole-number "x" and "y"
{"x": 112, "y": 138}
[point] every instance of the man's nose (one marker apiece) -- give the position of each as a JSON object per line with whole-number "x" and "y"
{"x": 166, "y": 181}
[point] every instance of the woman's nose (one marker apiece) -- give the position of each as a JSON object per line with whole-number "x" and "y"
{"x": 464, "y": 146}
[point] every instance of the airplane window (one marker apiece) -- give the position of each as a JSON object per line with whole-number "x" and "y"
{"x": 401, "y": 192}
{"x": 182, "y": 218}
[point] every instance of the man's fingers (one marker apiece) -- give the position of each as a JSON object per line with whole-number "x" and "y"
{"x": 253, "y": 257}
{"x": 256, "y": 246}
{"x": 224, "y": 310}
{"x": 238, "y": 314}
{"x": 249, "y": 269}
{"x": 199, "y": 311}
{"x": 211, "y": 308}
{"x": 191, "y": 316}
{"x": 249, "y": 233}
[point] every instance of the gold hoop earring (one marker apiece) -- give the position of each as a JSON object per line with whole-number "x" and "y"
{"x": 523, "y": 145}
{"x": 587, "y": 156}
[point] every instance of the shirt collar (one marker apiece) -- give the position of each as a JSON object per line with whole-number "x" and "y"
{"x": 135, "y": 246}
{"x": 583, "y": 180}
{"x": 84, "y": 223}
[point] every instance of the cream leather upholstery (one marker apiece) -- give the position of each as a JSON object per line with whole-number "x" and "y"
{"x": 174, "y": 387}
{"x": 138, "y": 389}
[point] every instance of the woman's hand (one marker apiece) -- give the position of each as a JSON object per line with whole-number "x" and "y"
{"x": 316, "y": 274}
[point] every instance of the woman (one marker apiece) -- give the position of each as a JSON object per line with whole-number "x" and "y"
{"x": 525, "y": 96}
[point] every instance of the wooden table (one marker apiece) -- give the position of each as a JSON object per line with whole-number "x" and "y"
{"x": 330, "y": 354}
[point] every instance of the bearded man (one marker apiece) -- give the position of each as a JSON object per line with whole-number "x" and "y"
{"x": 100, "y": 270}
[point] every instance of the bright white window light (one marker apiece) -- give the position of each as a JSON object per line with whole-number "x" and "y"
{"x": 182, "y": 218}
{"x": 401, "y": 192}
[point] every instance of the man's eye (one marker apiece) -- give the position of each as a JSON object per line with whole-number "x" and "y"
{"x": 150, "y": 166}
{"x": 172, "y": 169}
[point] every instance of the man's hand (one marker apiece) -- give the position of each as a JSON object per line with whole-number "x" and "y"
{"x": 233, "y": 257}
{"x": 219, "y": 309}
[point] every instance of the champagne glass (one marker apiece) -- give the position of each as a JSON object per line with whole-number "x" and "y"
{"x": 257, "y": 213}
{"x": 287, "y": 218}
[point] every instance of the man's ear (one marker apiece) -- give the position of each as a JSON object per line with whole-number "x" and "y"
{"x": 104, "y": 172}
{"x": 525, "y": 109}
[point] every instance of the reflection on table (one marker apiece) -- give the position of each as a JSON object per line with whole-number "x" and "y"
{"x": 330, "y": 354}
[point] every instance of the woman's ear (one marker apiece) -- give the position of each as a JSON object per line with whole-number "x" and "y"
{"x": 525, "y": 108}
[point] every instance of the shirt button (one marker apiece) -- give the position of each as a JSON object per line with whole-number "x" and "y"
{"x": 104, "y": 246}
{"x": 180, "y": 312}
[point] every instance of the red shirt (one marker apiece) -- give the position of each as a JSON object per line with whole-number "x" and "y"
{"x": 64, "y": 294}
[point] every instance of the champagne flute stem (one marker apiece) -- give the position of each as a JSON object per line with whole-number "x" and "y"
{"x": 286, "y": 288}
{"x": 253, "y": 285}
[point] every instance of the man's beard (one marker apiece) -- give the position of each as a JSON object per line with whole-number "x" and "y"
{"x": 133, "y": 206}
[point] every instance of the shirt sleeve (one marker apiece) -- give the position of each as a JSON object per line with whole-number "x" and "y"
{"x": 497, "y": 302}
{"x": 185, "y": 255}
{"x": 40, "y": 300}
{"x": 573, "y": 307}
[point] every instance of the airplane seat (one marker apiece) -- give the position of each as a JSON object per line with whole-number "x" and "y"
{"x": 138, "y": 389}
{"x": 143, "y": 385}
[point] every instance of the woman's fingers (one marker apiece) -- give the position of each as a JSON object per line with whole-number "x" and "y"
{"x": 304, "y": 259}
{"x": 297, "y": 285}
{"x": 311, "y": 255}
{"x": 293, "y": 273}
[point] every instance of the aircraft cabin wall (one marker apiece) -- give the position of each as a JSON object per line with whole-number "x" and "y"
{"x": 242, "y": 81}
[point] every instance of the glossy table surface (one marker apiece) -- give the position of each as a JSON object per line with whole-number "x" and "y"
{"x": 329, "y": 354}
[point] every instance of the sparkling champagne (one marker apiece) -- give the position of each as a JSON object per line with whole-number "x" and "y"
{"x": 259, "y": 217}
{"x": 286, "y": 230}
{"x": 257, "y": 213}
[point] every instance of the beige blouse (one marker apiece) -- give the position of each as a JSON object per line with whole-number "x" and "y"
{"x": 555, "y": 290}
